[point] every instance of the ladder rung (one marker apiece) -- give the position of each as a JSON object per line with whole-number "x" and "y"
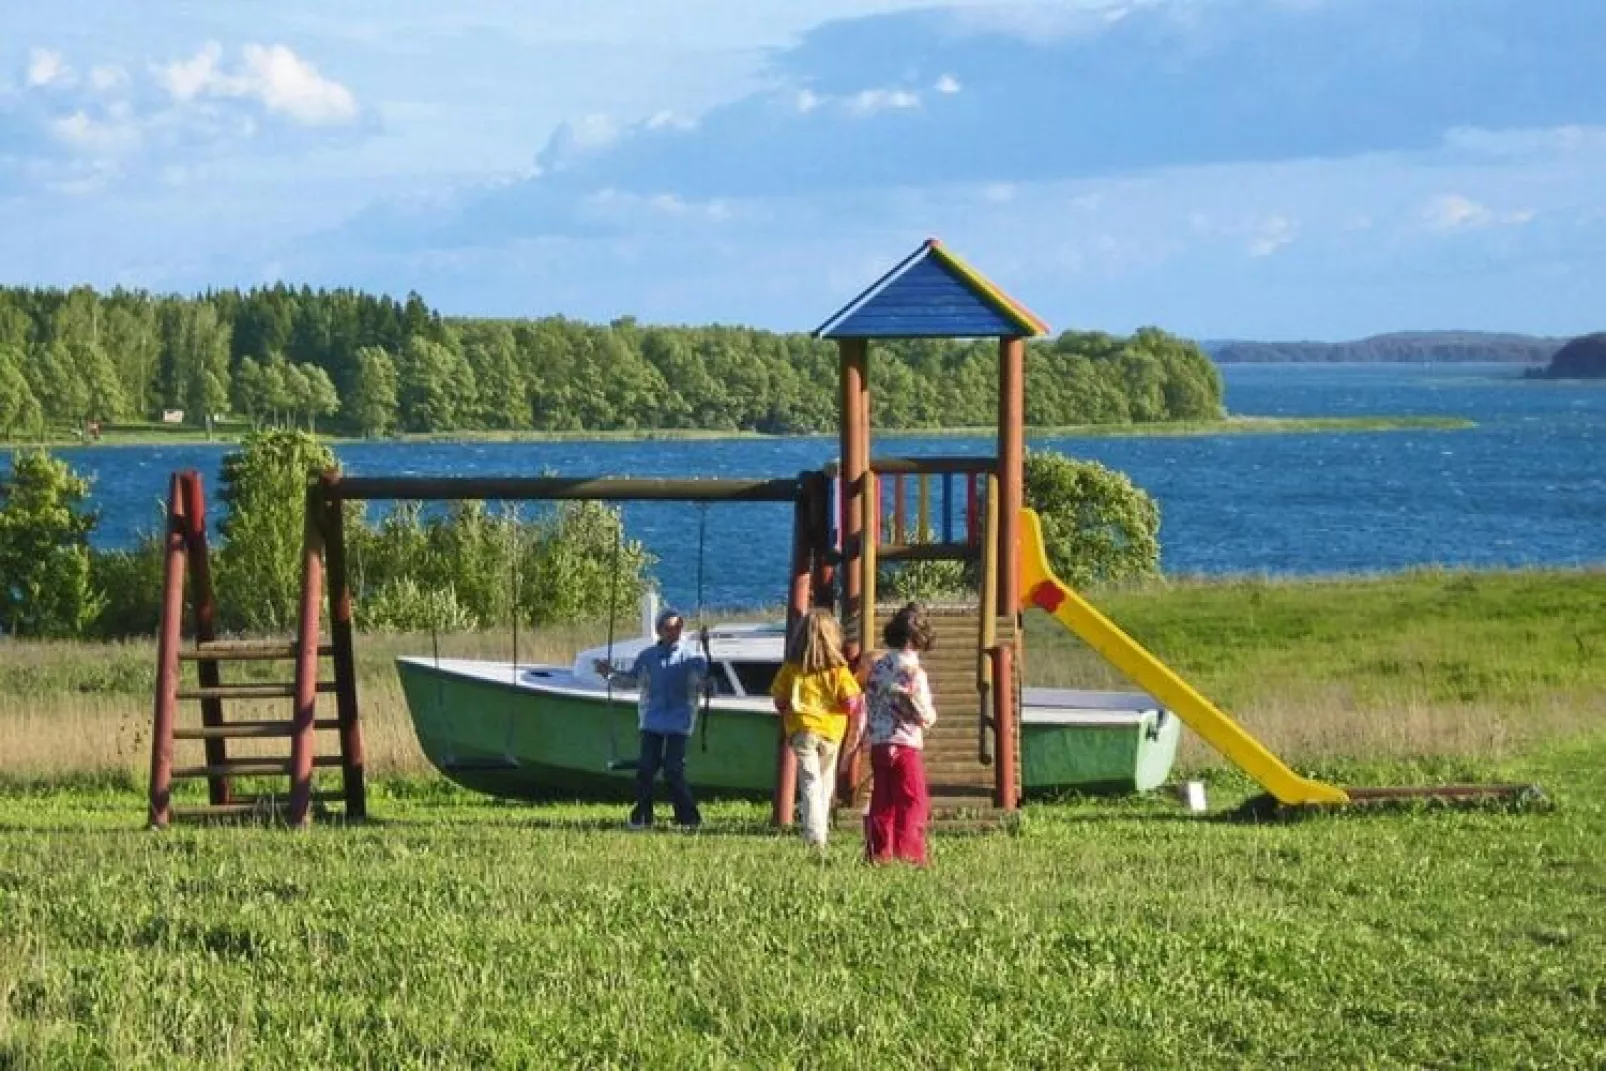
{"x": 249, "y": 767}
{"x": 248, "y": 729}
{"x": 248, "y": 691}
{"x": 263, "y": 806}
{"x": 245, "y": 651}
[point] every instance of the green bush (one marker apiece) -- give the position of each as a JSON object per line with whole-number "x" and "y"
{"x": 264, "y": 493}
{"x": 130, "y": 581}
{"x": 1098, "y": 527}
{"x": 403, "y": 604}
{"x": 44, "y": 549}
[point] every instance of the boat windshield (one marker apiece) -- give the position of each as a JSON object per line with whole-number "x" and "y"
{"x": 756, "y": 677}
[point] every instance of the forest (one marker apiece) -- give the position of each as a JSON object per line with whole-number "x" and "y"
{"x": 357, "y": 364}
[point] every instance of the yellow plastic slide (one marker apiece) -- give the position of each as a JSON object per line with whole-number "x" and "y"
{"x": 1040, "y": 588}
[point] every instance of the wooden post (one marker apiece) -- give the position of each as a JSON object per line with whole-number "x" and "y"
{"x": 867, "y": 565}
{"x": 854, "y": 353}
{"x": 1011, "y": 469}
{"x": 168, "y": 638}
{"x": 783, "y": 804}
{"x": 203, "y": 600}
{"x": 352, "y": 761}
{"x": 1007, "y": 796}
{"x": 818, "y": 489}
{"x": 306, "y": 683}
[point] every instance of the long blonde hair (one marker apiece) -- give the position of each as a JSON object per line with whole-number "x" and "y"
{"x": 816, "y": 643}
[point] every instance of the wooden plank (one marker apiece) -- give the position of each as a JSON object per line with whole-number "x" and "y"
{"x": 251, "y": 767}
{"x": 247, "y": 730}
{"x": 249, "y": 691}
{"x": 245, "y": 651}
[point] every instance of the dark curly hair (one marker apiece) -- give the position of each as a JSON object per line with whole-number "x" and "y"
{"x": 909, "y": 627}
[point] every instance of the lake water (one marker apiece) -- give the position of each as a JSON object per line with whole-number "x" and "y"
{"x": 1526, "y": 486}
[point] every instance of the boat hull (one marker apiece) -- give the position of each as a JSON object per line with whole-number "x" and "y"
{"x": 505, "y": 739}
{"x": 512, "y": 740}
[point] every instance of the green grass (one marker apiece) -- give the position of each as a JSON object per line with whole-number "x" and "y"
{"x": 455, "y": 931}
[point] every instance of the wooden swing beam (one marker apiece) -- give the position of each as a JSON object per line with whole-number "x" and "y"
{"x": 336, "y": 488}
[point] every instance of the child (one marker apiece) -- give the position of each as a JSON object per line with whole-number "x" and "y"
{"x": 900, "y": 710}
{"x": 670, "y": 674}
{"x": 816, "y": 694}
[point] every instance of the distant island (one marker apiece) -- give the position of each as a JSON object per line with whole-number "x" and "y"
{"x": 1582, "y": 358}
{"x": 1404, "y": 346}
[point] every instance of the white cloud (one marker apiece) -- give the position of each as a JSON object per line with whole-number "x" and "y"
{"x": 272, "y": 75}
{"x": 107, "y": 78}
{"x": 869, "y": 101}
{"x": 668, "y": 120}
{"x": 808, "y": 100}
{"x": 999, "y": 192}
{"x": 947, "y": 84}
{"x": 47, "y": 68}
{"x": 98, "y": 137}
{"x": 1448, "y": 212}
{"x": 1271, "y": 234}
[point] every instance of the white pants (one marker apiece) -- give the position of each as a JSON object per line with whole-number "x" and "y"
{"x": 816, "y": 783}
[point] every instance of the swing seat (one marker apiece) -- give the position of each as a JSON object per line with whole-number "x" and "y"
{"x": 620, "y": 765}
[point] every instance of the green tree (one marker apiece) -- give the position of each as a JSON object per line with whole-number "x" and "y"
{"x": 19, "y": 409}
{"x": 371, "y": 405}
{"x": 1097, "y": 526}
{"x": 264, "y": 494}
{"x": 320, "y": 399}
{"x": 44, "y": 549}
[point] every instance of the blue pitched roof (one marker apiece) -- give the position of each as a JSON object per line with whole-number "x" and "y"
{"x": 932, "y": 294}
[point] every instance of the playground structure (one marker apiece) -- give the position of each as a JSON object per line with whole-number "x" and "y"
{"x": 846, "y": 520}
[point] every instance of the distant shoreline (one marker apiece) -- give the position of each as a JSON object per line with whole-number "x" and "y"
{"x": 1240, "y": 425}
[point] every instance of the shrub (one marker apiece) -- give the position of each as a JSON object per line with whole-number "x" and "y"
{"x": 44, "y": 549}
{"x": 1098, "y": 527}
{"x": 264, "y": 494}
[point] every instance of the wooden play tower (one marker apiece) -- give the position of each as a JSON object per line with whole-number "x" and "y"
{"x": 972, "y": 755}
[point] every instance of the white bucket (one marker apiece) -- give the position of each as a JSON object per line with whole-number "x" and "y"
{"x": 1192, "y": 795}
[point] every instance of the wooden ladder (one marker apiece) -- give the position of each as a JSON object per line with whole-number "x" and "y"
{"x": 186, "y": 553}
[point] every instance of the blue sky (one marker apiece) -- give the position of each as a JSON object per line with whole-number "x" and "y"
{"x": 1318, "y": 169}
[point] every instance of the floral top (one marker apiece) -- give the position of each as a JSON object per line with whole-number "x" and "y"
{"x": 899, "y": 701}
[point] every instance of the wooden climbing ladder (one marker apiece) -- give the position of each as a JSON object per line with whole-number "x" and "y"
{"x": 187, "y": 566}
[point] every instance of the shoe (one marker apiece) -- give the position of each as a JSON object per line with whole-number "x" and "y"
{"x": 636, "y": 825}
{"x": 689, "y": 827}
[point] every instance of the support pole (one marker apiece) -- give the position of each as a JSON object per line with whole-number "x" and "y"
{"x": 798, "y": 600}
{"x": 1011, "y": 469}
{"x": 352, "y": 762}
{"x": 306, "y": 682}
{"x": 167, "y": 666}
{"x": 854, "y": 354}
{"x": 203, "y": 599}
{"x": 1007, "y": 795}
{"x": 817, "y": 487}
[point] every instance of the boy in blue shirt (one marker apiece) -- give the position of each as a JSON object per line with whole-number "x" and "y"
{"x": 670, "y": 675}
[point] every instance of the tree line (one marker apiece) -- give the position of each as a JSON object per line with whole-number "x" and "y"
{"x": 360, "y": 364}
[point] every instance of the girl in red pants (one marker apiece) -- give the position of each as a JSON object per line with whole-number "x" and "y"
{"x": 899, "y": 711}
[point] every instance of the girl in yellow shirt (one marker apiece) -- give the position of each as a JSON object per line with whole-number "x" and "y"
{"x": 816, "y": 694}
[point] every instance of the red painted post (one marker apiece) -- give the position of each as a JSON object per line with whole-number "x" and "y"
{"x": 1006, "y": 796}
{"x": 204, "y": 602}
{"x": 972, "y": 533}
{"x": 855, "y": 459}
{"x": 819, "y": 492}
{"x": 1011, "y": 469}
{"x": 352, "y": 762}
{"x": 168, "y": 638}
{"x": 783, "y": 804}
{"x": 306, "y": 684}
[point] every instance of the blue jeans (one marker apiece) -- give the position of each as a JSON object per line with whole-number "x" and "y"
{"x": 666, "y": 751}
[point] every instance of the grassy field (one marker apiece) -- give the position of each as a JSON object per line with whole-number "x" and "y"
{"x": 458, "y": 931}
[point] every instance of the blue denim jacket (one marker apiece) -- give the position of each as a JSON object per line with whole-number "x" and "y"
{"x": 670, "y": 679}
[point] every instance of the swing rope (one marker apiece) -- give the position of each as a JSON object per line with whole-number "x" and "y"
{"x": 702, "y": 637}
{"x": 516, "y": 548}
{"x": 614, "y": 761}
